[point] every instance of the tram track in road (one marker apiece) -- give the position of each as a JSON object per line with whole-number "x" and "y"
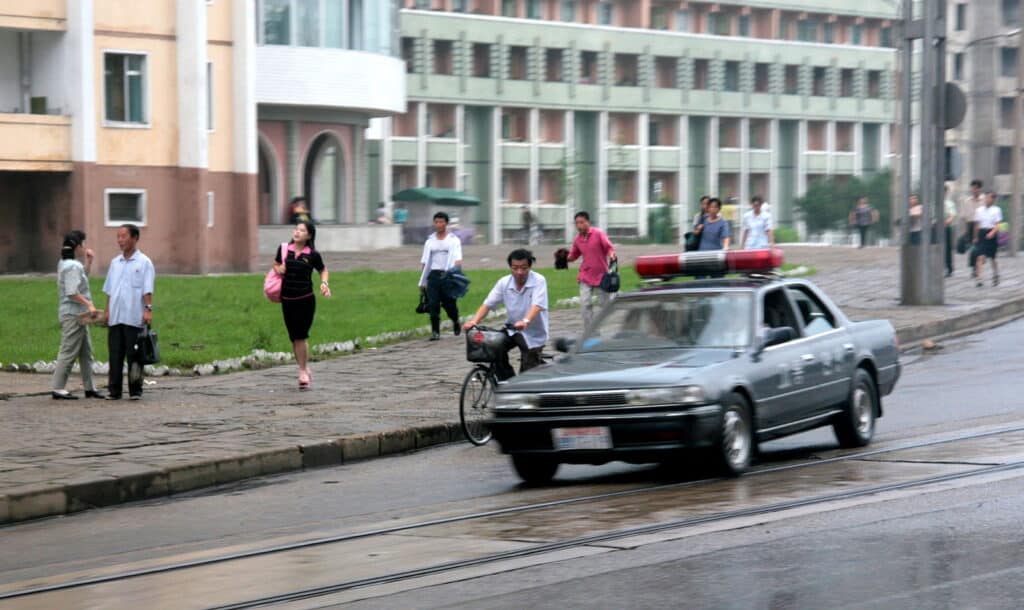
{"x": 971, "y": 470}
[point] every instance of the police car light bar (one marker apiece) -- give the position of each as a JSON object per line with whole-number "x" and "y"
{"x": 711, "y": 261}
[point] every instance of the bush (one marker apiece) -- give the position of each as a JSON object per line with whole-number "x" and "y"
{"x": 785, "y": 235}
{"x": 827, "y": 203}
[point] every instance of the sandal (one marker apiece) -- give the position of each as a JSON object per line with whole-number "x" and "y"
{"x": 995, "y": 280}
{"x": 304, "y": 379}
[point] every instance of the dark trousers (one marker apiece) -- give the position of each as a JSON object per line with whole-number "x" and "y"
{"x": 972, "y": 252}
{"x": 436, "y": 299}
{"x": 529, "y": 358}
{"x": 863, "y": 230}
{"x": 121, "y": 340}
{"x": 949, "y": 249}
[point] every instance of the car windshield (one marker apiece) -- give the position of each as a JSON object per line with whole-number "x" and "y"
{"x": 659, "y": 321}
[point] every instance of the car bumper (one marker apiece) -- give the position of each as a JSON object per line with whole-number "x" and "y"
{"x": 640, "y": 437}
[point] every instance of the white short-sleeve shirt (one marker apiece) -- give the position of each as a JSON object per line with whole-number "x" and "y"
{"x": 757, "y": 227}
{"x": 517, "y": 304}
{"x": 127, "y": 281}
{"x": 988, "y": 217}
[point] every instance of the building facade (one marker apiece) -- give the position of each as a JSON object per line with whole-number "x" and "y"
{"x": 983, "y": 50}
{"x": 621, "y": 107}
{"x": 195, "y": 119}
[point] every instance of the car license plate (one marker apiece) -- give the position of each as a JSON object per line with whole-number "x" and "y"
{"x": 568, "y": 439}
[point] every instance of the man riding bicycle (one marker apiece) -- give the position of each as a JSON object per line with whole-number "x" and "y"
{"x": 524, "y": 293}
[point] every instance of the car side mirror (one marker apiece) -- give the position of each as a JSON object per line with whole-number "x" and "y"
{"x": 564, "y": 344}
{"x": 775, "y": 336}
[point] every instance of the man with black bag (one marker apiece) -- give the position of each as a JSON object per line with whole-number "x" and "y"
{"x": 524, "y": 293}
{"x": 129, "y": 290}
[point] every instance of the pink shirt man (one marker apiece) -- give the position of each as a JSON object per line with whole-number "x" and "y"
{"x": 595, "y": 248}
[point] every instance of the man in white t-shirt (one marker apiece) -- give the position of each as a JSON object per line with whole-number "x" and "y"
{"x": 524, "y": 293}
{"x": 986, "y": 236}
{"x": 442, "y": 253}
{"x": 758, "y": 230}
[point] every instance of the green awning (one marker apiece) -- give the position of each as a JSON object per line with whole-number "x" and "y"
{"x": 436, "y": 195}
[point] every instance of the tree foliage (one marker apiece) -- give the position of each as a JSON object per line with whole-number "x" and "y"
{"x": 827, "y": 203}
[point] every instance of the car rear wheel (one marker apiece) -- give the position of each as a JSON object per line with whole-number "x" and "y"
{"x": 734, "y": 450}
{"x": 855, "y": 426}
{"x": 534, "y": 470}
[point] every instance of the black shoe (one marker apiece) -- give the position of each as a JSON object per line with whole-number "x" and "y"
{"x": 63, "y": 396}
{"x": 112, "y": 397}
{"x": 95, "y": 394}
{"x": 135, "y": 397}
{"x": 949, "y": 274}
{"x": 435, "y": 336}
{"x": 995, "y": 281}
{"x": 457, "y": 328}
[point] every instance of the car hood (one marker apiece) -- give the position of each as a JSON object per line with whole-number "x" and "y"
{"x": 615, "y": 370}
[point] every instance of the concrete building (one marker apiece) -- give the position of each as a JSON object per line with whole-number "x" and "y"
{"x": 983, "y": 47}
{"x": 622, "y": 106}
{"x": 195, "y": 119}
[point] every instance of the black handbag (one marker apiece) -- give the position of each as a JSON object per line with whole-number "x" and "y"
{"x": 962, "y": 244}
{"x": 422, "y": 307}
{"x": 147, "y": 348}
{"x": 610, "y": 280}
{"x": 691, "y": 241}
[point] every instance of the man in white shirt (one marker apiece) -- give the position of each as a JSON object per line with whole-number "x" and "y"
{"x": 968, "y": 207}
{"x": 442, "y": 253}
{"x": 986, "y": 236}
{"x": 758, "y": 230}
{"x": 524, "y": 293}
{"x": 129, "y": 290}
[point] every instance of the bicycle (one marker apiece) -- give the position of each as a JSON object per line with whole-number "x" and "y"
{"x": 483, "y": 346}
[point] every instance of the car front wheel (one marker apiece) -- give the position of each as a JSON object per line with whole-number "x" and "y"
{"x": 735, "y": 448}
{"x": 855, "y": 426}
{"x": 534, "y": 470}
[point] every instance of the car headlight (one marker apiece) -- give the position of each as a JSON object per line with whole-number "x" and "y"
{"x": 515, "y": 401}
{"x": 677, "y": 395}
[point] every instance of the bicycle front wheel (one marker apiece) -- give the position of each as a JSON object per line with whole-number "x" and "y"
{"x": 477, "y": 390}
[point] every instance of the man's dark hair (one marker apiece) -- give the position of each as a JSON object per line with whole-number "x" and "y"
{"x": 521, "y": 254}
{"x": 442, "y": 215}
{"x": 757, "y": 199}
{"x": 716, "y": 201}
{"x": 977, "y": 183}
{"x": 582, "y": 214}
{"x": 297, "y": 199}
{"x": 133, "y": 230}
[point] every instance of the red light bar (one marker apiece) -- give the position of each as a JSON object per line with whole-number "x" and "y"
{"x": 711, "y": 261}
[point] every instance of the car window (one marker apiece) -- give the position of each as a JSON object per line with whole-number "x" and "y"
{"x": 699, "y": 319}
{"x": 777, "y": 312}
{"x": 816, "y": 317}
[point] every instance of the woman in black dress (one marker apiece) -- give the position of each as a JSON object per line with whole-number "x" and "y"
{"x": 298, "y": 303}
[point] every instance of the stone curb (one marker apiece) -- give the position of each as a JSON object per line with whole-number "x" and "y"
{"x": 40, "y": 501}
{"x": 34, "y": 502}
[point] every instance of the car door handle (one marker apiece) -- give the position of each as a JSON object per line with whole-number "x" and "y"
{"x": 849, "y": 347}
{"x": 807, "y": 358}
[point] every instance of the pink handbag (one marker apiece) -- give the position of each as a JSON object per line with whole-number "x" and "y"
{"x": 273, "y": 280}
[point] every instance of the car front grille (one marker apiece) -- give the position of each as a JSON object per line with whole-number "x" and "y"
{"x": 582, "y": 400}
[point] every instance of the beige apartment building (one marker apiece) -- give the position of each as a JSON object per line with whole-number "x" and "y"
{"x": 196, "y": 119}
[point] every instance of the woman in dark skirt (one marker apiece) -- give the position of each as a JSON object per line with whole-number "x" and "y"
{"x": 298, "y": 304}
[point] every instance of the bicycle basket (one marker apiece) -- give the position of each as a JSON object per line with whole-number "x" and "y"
{"x": 484, "y": 345}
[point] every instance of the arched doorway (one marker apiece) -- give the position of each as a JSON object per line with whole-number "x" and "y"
{"x": 326, "y": 181}
{"x": 270, "y": 210}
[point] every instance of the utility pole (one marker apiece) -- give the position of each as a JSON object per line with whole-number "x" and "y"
{"x": 921, "y": 277}
{"x": 1018, "y": 109}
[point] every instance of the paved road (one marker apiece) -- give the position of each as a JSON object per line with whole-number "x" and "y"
{"x": 57, "y": 457}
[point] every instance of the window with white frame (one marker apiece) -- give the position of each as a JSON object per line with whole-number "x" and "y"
{"x": 124, "y": 87}
{"x": 122, "y": 206}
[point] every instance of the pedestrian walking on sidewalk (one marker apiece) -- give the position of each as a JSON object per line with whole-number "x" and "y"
{"x": 298, "y": 303}
{"x": 968, "y": 208}
{"x": 757, "y": 227}
{"x": 75, "y": 300}
{"x": 597, "y": 251}
{"x": 716, "y": 234}
{"x": 862, "y": 217}
{"x": 129, "y": 290}
{"x": 442, "y": 253}
{"x": 949, "y": 213}
{"x": 524, "y": 293}
{"x": 986, "y": 232}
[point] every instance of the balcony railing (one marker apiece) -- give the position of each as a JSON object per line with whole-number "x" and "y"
{"x": 35, "y": 142}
